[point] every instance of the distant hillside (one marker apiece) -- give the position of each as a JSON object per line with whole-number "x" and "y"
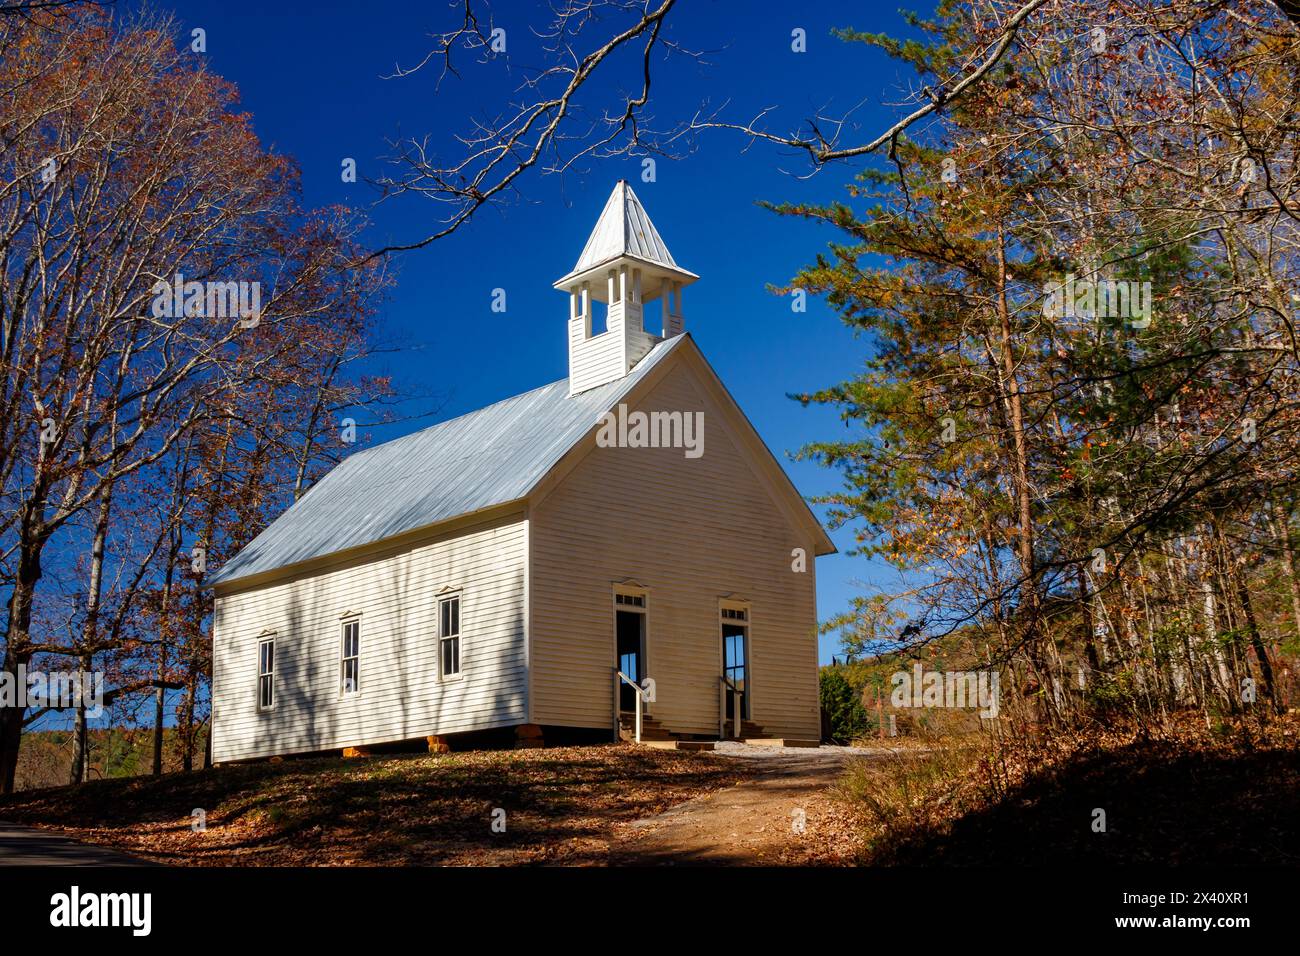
{"x": 46, "y": 756}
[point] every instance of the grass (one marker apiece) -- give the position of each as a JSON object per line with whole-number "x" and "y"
{"x": 562, "y": 805}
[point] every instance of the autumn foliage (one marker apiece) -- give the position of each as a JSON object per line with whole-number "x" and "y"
{"x": 1099, "y": 500}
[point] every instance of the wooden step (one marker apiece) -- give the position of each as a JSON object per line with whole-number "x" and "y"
{"x": 648, "y": 732}
{"x": 645, "y": 722}
{"x": 781, "y": 742}
{"x": 747, "y": 729}
{"x": 655, "y": 734}
{"x": 677, "y": 744}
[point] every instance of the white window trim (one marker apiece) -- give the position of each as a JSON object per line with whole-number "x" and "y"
{"x": 457, "y": 595}
{"x": 631, "y": 589}
{"x": 344, "y": 623}
{"x": 266, "y": 639}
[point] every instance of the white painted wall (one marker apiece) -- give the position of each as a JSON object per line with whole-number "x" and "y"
{"x": 598, "y": 359}
{"x": 691, "y": 531}
{"x": 401, "y": 695}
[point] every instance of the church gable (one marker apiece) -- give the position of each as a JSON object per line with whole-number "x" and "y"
{"x": 681, "y": 424}
{"x": 688, "y": 524}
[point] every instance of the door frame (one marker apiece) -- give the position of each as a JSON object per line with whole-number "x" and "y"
{"x": 629, "y": 589}
{"x": 745, "y": 608}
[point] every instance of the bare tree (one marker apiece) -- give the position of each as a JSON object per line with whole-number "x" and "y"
{"x": 553, "y": 127}
{"x": 153, "y": 263}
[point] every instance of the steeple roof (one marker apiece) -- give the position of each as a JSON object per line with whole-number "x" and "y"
{"x": 625, "y": 230}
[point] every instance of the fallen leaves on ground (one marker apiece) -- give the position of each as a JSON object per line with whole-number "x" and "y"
{"x": 561, "y": 807}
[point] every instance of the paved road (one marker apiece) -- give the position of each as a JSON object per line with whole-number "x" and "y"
{"x": 23, "y": 846}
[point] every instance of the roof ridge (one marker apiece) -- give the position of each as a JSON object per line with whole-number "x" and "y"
{"x": 501, "y": 401}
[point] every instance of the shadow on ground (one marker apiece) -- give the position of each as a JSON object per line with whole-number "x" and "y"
{"x": 560, "y": 805}
{"x": 1161, "y": 804}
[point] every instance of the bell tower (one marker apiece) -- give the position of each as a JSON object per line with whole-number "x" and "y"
{"x": 623, "y": 267}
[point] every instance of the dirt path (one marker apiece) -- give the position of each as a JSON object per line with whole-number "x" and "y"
{"x": 751, "y": 823}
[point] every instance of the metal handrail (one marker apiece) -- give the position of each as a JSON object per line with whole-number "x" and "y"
{"x": 736, "y": 695}
{"x": 641, "y": 694}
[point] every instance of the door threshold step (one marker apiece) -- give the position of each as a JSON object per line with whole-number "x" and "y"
{"x": 678, "y": 744}
{"x": 781, "y": 742}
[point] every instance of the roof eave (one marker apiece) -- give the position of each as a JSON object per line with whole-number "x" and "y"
{"x": 593, "y": 272}
{"x": 316, "y": 563}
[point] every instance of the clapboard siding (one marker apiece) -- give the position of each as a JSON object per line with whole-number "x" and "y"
{"x": 597, "y": 360}
{"x": 639, "y": 344}
{"x": 401, "y": 695}
{"x": 691, "y": 531}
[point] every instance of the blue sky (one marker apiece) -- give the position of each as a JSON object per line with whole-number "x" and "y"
{"x": 312, "y": 76}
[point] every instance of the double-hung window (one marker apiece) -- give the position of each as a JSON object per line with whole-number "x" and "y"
{"x": 266, "y": 673}
{"x": 350, "y": 659}
{"x": 449, "y": 636}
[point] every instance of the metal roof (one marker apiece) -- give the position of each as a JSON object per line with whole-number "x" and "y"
{"x": 624, "y": 229}
{"x": 489, "y": 457}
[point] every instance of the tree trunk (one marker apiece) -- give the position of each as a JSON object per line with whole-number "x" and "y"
{"x": 159, "y": 706}
{"x": 1257, "y": 643}
{"x": 186, "y": 725}
{"x": 18, "y": 655}
{"x": 160, "y": 693}
{"x": 1020, "y": 471}
{"x": 90, "y": 626}
{"x": 1089, "y": 639}
{"x": 1282, "y": 532}
{"x": 1216, "y": 665}
{"x": 81, "y": 732}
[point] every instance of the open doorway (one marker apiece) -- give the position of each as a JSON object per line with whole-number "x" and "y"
{"x": 629, "y": 630}
{"x": 735, "y": 661}
{"x": 735, "y": 667}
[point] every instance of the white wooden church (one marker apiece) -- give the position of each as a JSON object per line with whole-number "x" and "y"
{"x": 544, "y": 567}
